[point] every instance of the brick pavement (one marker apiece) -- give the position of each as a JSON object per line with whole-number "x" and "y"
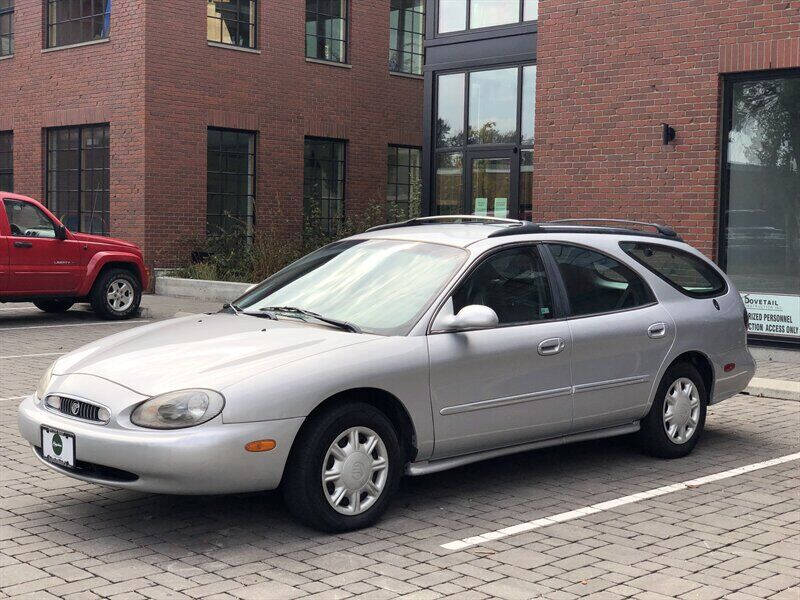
{"x": 737, "y": 538}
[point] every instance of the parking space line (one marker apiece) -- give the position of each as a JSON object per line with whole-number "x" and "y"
{"x": 611, "y": 504}
{"x": 75, "y": 325}
{"x": 33, "y": 355}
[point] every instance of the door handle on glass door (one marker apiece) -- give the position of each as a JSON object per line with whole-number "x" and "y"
{"x": 657, "y": 330}
{"x": 551, "y": 346}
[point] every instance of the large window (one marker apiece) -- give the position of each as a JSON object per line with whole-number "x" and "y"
{"x": 459, "y": 15}
{"x": 323, "y": 184}
{"x": 77, "y": 21}
{"x": 406, "y": 29}
{"x": 232, "y": 22}
{"x": 231, "y": 182}
{"x": 6, "y": 161}
{"x": 404, "y": 166}
{"x": 6, "y": 27}
{"x": 326, "y": 30}
{"x": 78, "y": 177}
{"x": 526, "y": 153}
{"x": 760, "y": 238}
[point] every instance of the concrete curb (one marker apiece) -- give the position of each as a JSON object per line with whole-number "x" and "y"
{"x": 780, "y": 389}
{"x": 212, "y": 291}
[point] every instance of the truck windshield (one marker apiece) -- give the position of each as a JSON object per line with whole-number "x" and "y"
{"x": 381, "y": 286}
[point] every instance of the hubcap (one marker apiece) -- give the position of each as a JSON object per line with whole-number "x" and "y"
{"x": 681, "y": 410}
{"x": 119, "y": 295}
{"x": 355, "y": 471}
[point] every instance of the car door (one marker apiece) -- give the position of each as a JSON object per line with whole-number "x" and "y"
{"x": 39, "y": 263}
{"x": 509, "y": 384}
{"x": 620, "y": 336}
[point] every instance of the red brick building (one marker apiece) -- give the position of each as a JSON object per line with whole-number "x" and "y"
{"x": 606, "y": 75}
{"x": 198, "y": 112}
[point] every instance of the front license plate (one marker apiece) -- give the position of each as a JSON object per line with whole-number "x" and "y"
{"x": 58, "y": 447}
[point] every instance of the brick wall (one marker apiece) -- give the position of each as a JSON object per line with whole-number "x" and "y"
{"x": 611, "y": 71}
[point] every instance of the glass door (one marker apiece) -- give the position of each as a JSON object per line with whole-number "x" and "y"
{"x": 492, "y": 190}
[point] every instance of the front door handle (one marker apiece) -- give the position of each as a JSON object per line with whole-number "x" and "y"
{"x": 23, "y": 245}
{"x": 551, "y": 346}
{"x": 657, "y": 330}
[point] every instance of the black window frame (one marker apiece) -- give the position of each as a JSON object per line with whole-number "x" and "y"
{"x": 7, "y": 150}
{"x": 397, "y": 184}
{"x": 51, "y": 203}
{"x": 7, "y": 13}
{"x": 253, "y": 23}
{"x": 401, "y": 32}
{"x": 45, "y": 217}
{"x": 248, "y": 219}
{"x": 691, "y": 258}
{"x": 558, "y": 278}
{"x": 50, "y": 27}
{"x": 330, "y": 221}
{"x": 489, "y": 28}
{"x": 345, "y": 59}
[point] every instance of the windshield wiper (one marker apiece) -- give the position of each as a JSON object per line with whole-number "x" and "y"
{"x": 232, "y": 307}
{"x": 293, "y": 310}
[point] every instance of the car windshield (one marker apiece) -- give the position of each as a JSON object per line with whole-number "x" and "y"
{"x": 380, "y": 286}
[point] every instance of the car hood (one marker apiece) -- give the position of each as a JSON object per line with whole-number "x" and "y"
{"x": 106, "y": 242}
{"x": 202, "y": 351}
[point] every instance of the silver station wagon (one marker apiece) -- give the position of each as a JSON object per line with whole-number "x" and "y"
{"x": 409, "y": 349}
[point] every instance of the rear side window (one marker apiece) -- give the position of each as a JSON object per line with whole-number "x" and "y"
{"x": 597, "y": 283}
{"x": 689, "y": 274}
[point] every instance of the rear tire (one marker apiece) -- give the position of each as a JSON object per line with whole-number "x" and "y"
{"x": 677, "y": 417}
{"x": 116, "y": 294}
{"x": 54, "y": 306}
{"x": 360, "y": 477}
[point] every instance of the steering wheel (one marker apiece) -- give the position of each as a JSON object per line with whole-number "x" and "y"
{"x": 15, "y": 230}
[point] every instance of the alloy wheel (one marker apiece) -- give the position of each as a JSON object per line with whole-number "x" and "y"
{"x": 120, "y": 295}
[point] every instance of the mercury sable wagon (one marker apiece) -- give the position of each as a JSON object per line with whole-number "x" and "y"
{"x": 409, "y": 349}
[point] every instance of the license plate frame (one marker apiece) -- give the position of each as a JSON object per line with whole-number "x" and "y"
{"x": 58, "y": 447}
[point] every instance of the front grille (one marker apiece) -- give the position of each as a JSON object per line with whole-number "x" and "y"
{"x": 80, "y": 410}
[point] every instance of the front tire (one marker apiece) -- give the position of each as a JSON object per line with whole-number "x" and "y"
{"x": 54, "y": 306}
{"x": 116, "y": 294}
{"x": 677, "y": 417}
{"x": 343, "y": 469}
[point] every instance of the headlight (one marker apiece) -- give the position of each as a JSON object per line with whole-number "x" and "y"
{"x": 176, "y": 410}
{"x": 44, "y": 382}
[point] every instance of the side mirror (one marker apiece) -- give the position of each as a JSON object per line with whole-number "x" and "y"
{"x": 469, "y": 318}
{"x": 61, "y": 232}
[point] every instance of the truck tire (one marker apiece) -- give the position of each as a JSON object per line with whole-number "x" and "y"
{"x": 116, "y": 294}
{"x": 54, "y": 306}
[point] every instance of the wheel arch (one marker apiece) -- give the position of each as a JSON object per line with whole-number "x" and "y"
{"x": 102, "y": 262}
{"x": 704, "y": 366}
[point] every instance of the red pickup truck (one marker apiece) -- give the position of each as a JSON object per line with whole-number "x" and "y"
{"x": 44, "y": 263}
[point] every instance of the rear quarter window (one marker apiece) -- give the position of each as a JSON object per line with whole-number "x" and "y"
{"x": 684, "y": 271}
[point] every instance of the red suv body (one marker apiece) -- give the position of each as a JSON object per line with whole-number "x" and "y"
{"x": 44, "y": 263}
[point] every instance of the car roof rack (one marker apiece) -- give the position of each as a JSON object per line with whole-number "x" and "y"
{"x": 453, "y": 219}
{"x": 661, "y": 229}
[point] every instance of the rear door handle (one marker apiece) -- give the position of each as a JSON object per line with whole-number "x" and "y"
{"x": 657, "y": 330}
{"x": 551, "y": 346}
{"x": 23, "y": 245}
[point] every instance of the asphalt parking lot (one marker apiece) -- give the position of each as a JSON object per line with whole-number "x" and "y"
{"x": 591, "y": 519}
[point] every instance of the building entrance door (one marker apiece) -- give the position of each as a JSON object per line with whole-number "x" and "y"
{"x": 492, "y": 187}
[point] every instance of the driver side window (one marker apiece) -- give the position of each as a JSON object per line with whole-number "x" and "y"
{"x": 511, "y": 282}
{"x": 27, "y": 220}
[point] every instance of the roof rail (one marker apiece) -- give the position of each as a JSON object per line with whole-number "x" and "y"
{"x": 441, "y": 219}
{"x": 662, "y": 229}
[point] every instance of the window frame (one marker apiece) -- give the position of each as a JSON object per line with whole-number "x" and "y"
{"x": 48, "y": 200}
{"x": 346, "y": 58}
{"x": 250, "y": 218}
{"x": 535, "y": 247}
{"x": 396, "y": 184}
{"x": 562, "y": 287}
{"x": 6, "y": 201}
{"x": 9, "y": 134}
{"x": 468, "y": 29}
{"x": 254, "y": 24}
{"x": 10, "y": 35}
{"x": 690, "y": 256}
{"x": 399, "y": 50}
{"x": 49, "y": 26}
{"x": 330, "y": 220}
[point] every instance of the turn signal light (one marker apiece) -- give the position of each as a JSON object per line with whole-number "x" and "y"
{"x": 261, "y": 446}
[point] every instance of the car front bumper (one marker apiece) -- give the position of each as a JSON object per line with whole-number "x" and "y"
{"x": 208, "y": 459}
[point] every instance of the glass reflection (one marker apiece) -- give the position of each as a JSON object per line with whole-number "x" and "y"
{"x": 449, "y": 183}
{"x": 493, "y": 106}
{"x": 489, "y": 13}
{"x": 450, "y": 102}
{"x": 528, "y": 104}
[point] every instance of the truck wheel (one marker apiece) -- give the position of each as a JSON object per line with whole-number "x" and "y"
{"x": 343, "y": 469}
{"x": 54, "y": 306}
{"x": 676, "y": 420}
{"x": 116, "y": 294}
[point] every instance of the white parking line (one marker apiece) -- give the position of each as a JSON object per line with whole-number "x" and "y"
{"x": 75, "y": 325}
{"x": 33, "y": 355}
{"x": 611, "y": 504}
